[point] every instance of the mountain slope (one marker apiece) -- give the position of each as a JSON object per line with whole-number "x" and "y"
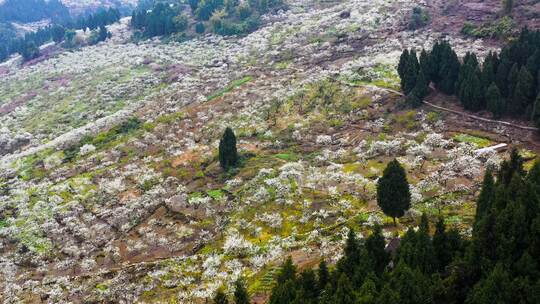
{"x": 114, "y": 192}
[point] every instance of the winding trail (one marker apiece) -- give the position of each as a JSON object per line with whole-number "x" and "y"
{"x": 505, "y": 123}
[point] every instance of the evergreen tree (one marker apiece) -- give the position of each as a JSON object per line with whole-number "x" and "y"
{"x": 367, "y": 293}
{"x": 496, "y": 288}
{"x": 487, "y": 76}
{"x": 307, "y": 283}
{"x": 283, "y": 293}
{"x": 323, "y": 276}
{"x": 449, "y": 73}
{"x": 58, "y": 33}
{"x": 344, "y": 291}
{"x": 469, "y": 88}
{"x": 393, "y": 194}
{"x": 495, "y": 102}
{"x": 199, "y": 28}
{"x": 426, "y": 65}
{"x": 375, "y": 246}
{"x": 228, "y": 155}
{"x": 421, "y": 88}
{"x": 535, "y": 116}
{"x": 501, "y": 77}
{"x": 221, "y": 297}
{"x": 485, "y": 200}
{"x": 388, "y": 296}
{"x": 442, "y": 246}
{"x": 522, "y": 94}
{"x": 409, "y": 284}
{"x": 408, "y": 69}
{"x": 513, "y": 77}
{"x": 351, "y": 254}
{"x": 288, "y": 272}
{"x": 240, "y": 293}
{"x": 103, "y": 33}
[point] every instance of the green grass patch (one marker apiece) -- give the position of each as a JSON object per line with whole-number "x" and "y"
{"x": 230, "y": 87}
{"x": 477, "y": 141}
{"x": 216, "y": 194}
{"x": 287, "y": 156}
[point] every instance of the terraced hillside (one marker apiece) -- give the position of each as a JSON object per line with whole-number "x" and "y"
{"x": 110, "y": 185}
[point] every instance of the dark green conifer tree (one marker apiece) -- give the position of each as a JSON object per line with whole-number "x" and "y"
{"x": 240, "y": 293}
{"x": 221, "y": 297}
{"x": 496, "y": 288}
{"x": 287, "y": 272}
{"x": 522, "y": 93}
{"x": 501, "y": 76}
{"x": 487, "y": 76}
{"x": 323, "y": 276}
{"x": 393, "y": 194}
{"x": 513, "y": 77}
{"x": 487, "y": 195}
{"x": 308, "y": 291}
{"x": 344, "y": 291}
{"x": 367, "y": 293}
{"x": 387, "y": 296}
{"x": 494, "y": 101}
{"x": 426, "y": 65}
{"x": 375, "y": 245}
{"x": 442, "y": 246}
{"x": 421, "y": 88}
{"x": 228, "y": 155}
{"x": 283, "y": 293}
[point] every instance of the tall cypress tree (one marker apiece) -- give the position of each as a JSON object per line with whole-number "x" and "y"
{"x": 501, "y": 76}
{"x": 513, "y": 77}
{"x": 408, "y": 68}
{"x": 449, "y": 71}
{"x": 402, "y": 65}
{"x": 469, "y": 87}
{"x": 426, "y": 65}
{"x": 487, "y": 76}
{"x": 441, "y": 245}
{"x": 522, "y": 94}
{"x": 228, "y": 155}
{"x": 495, "y": 103}
{"x": 344, "y": 291}
{"x": 387, "y": 296}
{"x": 393, "y": 194}
{"x": 220, "y": 297}
{"x": 375, "y": 246}
{"x": 323, "y": 276}
{"x": 288, "y": 272}
{"x": 535, "y": 116}
{"x": 240, "y": 293}
{"x": 421, "y": 88}
{"x": 485, "y": 200}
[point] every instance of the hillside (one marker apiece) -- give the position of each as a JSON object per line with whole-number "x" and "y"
{"x": 110, "y": 185}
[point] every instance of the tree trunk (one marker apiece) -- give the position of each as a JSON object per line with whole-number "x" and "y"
{"x": 395, "y": 224}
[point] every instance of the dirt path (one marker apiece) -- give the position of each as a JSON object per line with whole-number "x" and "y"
{"x": 505, "y": 123}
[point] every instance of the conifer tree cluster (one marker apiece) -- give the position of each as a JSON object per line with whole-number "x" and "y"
{"x": 498, "y": 264}
{"x": 28, "y": 46}
{"x": 507, "y": 83}
{"x": 224, "y": 17}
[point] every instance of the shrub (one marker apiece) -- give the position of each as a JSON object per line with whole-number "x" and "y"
{"x": 419, "y": 18}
